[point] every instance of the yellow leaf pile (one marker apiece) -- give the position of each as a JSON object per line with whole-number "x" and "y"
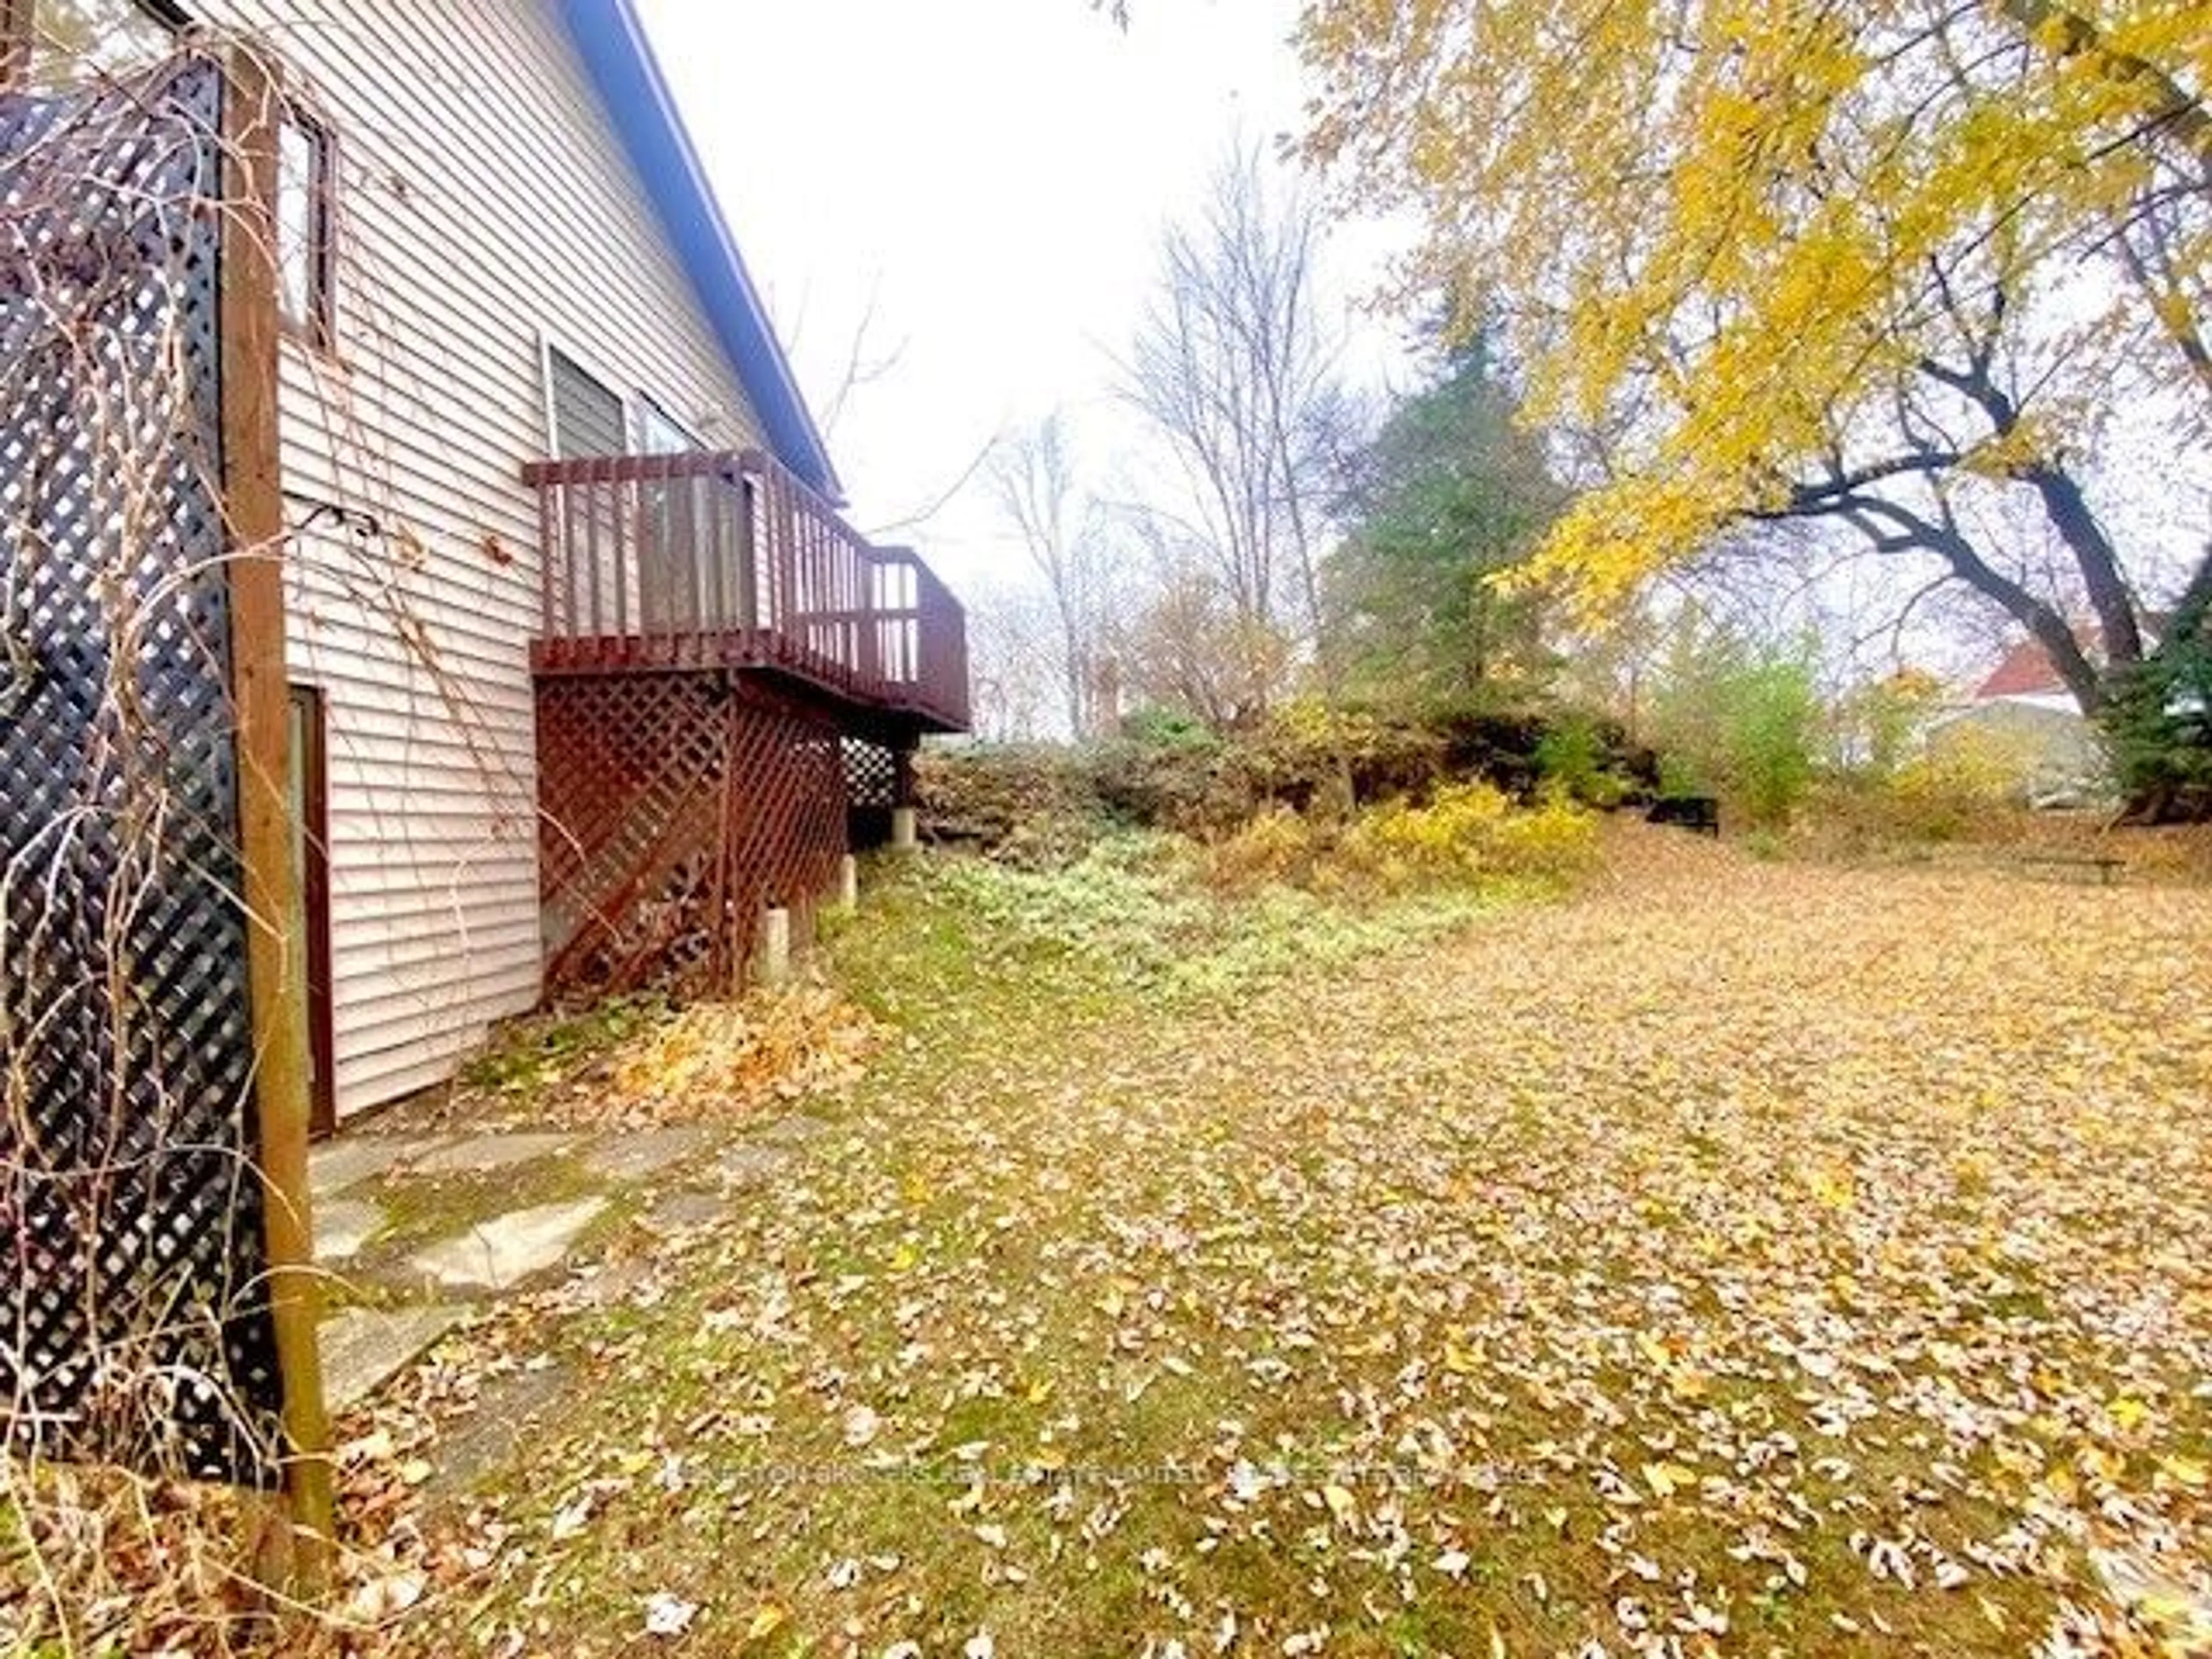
{"x": 727, "y": 1059}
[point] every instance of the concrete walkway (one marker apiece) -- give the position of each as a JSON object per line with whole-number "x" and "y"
{"x": 420, "y": 1232}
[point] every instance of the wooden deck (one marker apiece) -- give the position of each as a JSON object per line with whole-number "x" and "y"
{"x": 723, "y": 560}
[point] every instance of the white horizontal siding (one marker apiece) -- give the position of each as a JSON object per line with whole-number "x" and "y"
{"x": 485, "y": 203}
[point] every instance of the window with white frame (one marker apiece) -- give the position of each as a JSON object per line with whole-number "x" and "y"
{"x": 587, "y": 413}
{"x": 306, "y": 193}
{"x": 659, "y": 433}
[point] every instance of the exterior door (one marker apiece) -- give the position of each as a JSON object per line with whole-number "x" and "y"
{"x": 311, "y": 925}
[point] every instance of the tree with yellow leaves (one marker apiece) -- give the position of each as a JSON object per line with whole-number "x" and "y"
{"x": 1898, "y": 265}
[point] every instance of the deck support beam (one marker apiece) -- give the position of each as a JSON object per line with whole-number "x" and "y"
{"x": 905, "y": 829}
{"x": 775, "y": 946}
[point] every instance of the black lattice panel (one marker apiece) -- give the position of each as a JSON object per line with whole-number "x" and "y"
{"x": 129, "y": 1209}
{"x": 871, "y": 775}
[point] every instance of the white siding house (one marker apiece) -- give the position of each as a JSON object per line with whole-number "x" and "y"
{"x": 485, "y": 206}
{"x": 583, "y": 661}
{"x": 471, "y": 171}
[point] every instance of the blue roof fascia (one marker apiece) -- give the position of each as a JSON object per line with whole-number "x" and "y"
{"x": 614, "y": 48}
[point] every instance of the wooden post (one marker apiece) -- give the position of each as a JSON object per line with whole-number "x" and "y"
{"x": 730, "y": 957}
{"x": 775, "y": 946}
{"x": 277, "y": 964}
{"x": 748, "y": 575}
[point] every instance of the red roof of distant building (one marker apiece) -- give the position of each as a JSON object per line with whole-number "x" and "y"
{"x": 2024, "y": 670}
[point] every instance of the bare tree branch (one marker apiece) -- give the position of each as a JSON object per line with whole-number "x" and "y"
{"x": 1231, "y": 368}
{"x": 1032, "y": 478}
{"x": 936, "y": 503}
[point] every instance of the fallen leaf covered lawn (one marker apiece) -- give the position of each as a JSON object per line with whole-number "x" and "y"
{"x": 1735, "y": 1258}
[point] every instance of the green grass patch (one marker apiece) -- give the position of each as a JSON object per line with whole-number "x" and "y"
{"x": 1134, "y": 915}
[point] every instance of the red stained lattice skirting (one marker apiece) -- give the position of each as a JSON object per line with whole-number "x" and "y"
{"x": 673, "y": 808}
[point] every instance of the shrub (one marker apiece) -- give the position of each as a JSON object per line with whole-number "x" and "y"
{"x": 1964, "y": 775}
{"x": 1679, "y": 776}
{"x": 2160, "y": 722}
{"x": 1041, "y": 806}
{"x": 1555, "y": 840}
{"x": 1276, "y": 847}
{"x": 1967, "y": 782}
{"x": 1883, "y": 724}
{"x": 1740, "y": 720}
{"x": 1309, "y": 753}
{"x": 1029, "y": 803}
{"x": 1194, "y": 788}
{"x": 1466, "y": 832}
{"x": 1768, "y": 715}
{"x": 1398, "y": 842}
{"x": 1575, "y": 757}
{"x": 1497, "y": 746}
{"x": 1157, "y": 725}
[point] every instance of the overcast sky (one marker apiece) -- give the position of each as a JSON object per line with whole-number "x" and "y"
{"x": 993, "y": 175}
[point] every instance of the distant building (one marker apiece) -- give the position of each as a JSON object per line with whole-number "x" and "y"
{"x": 2021, "y": 715}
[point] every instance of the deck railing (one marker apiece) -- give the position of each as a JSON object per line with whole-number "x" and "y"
{"x": 724, "y": 558}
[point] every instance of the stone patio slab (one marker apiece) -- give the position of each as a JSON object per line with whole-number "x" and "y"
{"x": 364, "y": 1347}
{"x": 680, "y": 1212}
{"x": 503, "y": 1251}
{"x": 506, "y": 1411}
{"x": 611, "y": 1284}
{"x": 492, "y": 1151}
{"x": 648, "y": 1152}
{"x": 745, "y": 1166}
{"x": 351, "y": 1159}
{"x": 342, "y": 1225}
